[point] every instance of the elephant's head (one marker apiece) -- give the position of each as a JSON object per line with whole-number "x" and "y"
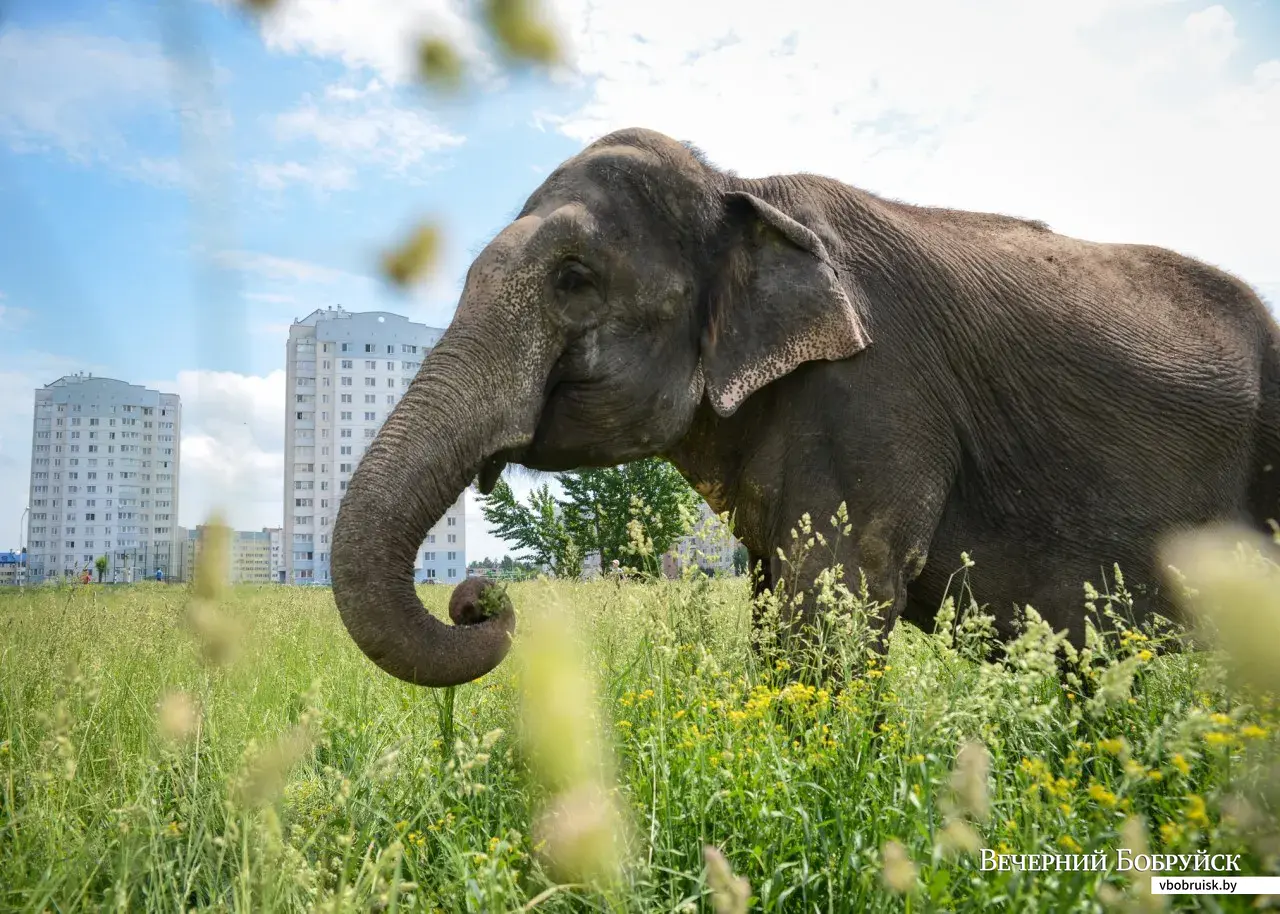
{"x": 636, "y": 281}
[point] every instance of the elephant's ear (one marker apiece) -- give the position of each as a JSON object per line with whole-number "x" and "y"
{"x": 774, "y": 302}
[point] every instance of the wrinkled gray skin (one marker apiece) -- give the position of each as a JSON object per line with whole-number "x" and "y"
{"x": 963, "y": 381}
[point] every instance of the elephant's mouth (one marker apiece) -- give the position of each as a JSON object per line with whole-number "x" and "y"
{"x": 490, "y": 470}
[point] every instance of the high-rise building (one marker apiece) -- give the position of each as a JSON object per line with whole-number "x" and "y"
{"x": 104, "y": 479}
{"x": 345, "y": 371}
{"x": 275, "y": 536}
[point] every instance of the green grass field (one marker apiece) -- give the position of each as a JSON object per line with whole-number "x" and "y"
{"x": 254, "y": 760}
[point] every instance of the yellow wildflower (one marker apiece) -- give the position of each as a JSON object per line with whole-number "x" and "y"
{"x": 1195, "y": 811}
{"x": 1102, "y": 795}
{"x": 1112, "y": 746}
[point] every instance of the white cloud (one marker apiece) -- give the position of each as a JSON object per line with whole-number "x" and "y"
{"x": 379, "y": 35}
{"x": 349, "y": 128}
{"x": 73, "y": 92}
{"x": 232, "y": 446}
{"x": 1135, "y": 120}
{"x": 279, "y": 175}
{"x": 279, "y": 268}
{"x": 1211, "y": 36}
{"x": 1112, "y": 119}
{"x": 274, "y": 298}
{"x": 11, "y": 316}
{"x": 89, "y": 97}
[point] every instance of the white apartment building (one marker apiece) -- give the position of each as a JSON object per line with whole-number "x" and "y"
{"x": 104, "y": 479}
{"x": 708, "y": 545}
{"x": 345, "y": 371}
{"x": 276, "y": 535}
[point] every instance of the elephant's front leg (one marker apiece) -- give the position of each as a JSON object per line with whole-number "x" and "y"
{"x": 886, "y": 551}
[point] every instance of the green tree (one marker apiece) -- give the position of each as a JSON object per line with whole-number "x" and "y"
{"x": 538, "y": 527}
{"x": 740, "y": 559}
{"x": 601, "y": 505}
{"x": 606, "y": 510}
{"x": 100, "y": 563}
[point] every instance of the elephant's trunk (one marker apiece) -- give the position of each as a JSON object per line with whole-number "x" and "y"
{"x": 478, "y": 392}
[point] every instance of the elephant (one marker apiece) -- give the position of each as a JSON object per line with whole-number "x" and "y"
{"x": 961, "y": 381}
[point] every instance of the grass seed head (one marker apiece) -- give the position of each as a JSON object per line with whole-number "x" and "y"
{"x": 969, "y": 780}
{"x": 898, "y": 872}
{"x": 729, "y": 892}
{"x": 959, "y": 837}
{"x": 580, "y": 832}
{"x": 177, "y": 717}
{"x": 263, "y": 778}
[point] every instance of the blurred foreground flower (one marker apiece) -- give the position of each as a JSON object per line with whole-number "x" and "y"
{"x": 516, "y": 27}
{"x": 414, "y": 259}
{"x": 969, "y": 780}
{"x": 263, "y": 778}
{"x": 582, "y": 825}
{"x": 177, "y": 717}
{"x": 439, "y": 64}
{"x": 959, "y": 837}
{"x": 1230, "y": 587}
{"x": 729, "y": 892}
{"x": 899, "y": 872}
{"x": 579, "y": 831}
{"x": 217, "y": 633}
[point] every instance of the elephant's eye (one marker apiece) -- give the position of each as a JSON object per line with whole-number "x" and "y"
{"x": 574, "y": 276}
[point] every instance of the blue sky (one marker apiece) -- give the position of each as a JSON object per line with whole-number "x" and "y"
{"x": 1126, "y": 120}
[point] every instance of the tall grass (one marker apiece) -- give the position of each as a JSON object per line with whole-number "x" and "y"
{"x": 142, "y": 771}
